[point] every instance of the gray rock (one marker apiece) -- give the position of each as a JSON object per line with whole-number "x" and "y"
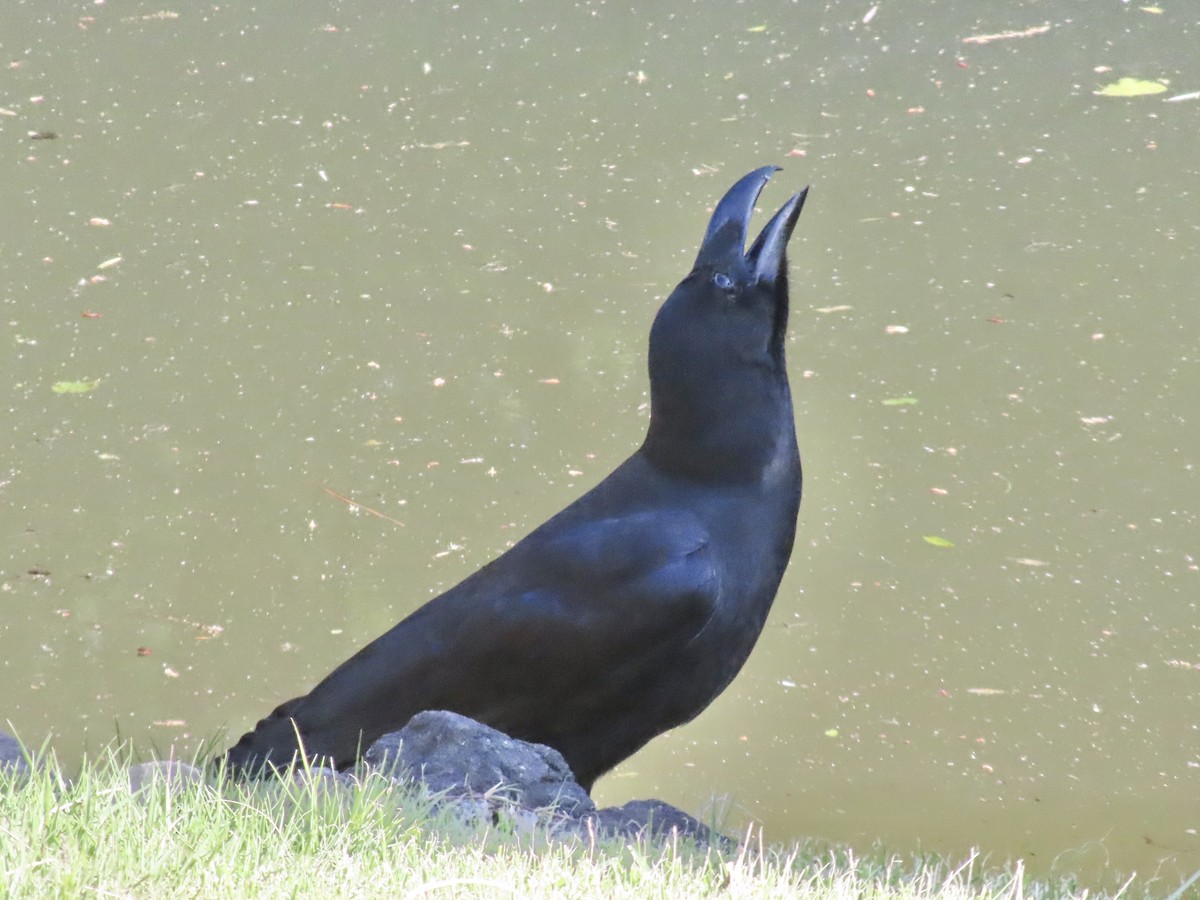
{"x": 176, "y": 775}
{"x": 318, "y": 787}
{"x": 454, "y": 754}
{"x": 649, "y": 817}
{"x": 466, "y": 759}
{"x": 324, "y": 781}
{"x": 384, "y": 758}
{"x": 13, "y": 758}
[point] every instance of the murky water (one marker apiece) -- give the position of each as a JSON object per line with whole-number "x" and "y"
{"x": 408, "y": 256}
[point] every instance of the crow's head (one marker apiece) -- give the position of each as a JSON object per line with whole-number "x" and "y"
{"x": 716, "y": 347}
{"x": 734, "y": 303}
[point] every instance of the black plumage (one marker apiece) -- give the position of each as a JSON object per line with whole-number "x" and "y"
{"x": 628, "y": 612}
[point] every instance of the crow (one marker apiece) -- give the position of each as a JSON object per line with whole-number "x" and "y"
{"x": 627, "y": 613}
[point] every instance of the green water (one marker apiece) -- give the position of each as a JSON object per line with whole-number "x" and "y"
{"x": 409, "y": 253}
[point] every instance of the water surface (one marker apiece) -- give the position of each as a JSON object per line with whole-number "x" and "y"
{"x": 408, "y": 255}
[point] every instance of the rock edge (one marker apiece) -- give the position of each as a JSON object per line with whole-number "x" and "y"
{"x": 476, "y": 770}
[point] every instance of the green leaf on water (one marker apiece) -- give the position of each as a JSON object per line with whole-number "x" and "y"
{"x": 757, "y": 29}
{"x": 900, "y": 401}
{"x": 74, "y": 387}
{"x": 1131, "y": 87}
{"x": 934, "y": 540}
{"x": 831, "y": 732}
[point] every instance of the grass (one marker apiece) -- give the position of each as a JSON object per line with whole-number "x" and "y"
{"x": 95, "y": 837}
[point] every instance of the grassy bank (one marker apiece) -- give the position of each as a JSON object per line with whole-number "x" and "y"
{"x": 94, "y": 836}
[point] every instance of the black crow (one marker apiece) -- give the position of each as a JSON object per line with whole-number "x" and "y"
{"x": 628, "y": 612}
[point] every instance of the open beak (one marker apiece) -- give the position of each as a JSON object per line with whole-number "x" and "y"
{"x": 724, "y": 245}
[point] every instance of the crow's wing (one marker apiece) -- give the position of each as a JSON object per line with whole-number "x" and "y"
{"x": 570, "y": 616}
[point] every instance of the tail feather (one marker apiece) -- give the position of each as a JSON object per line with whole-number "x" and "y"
{"x": 274, "y": 743}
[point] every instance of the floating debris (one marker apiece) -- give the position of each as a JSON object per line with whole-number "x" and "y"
{"x": 1131, "y": 87}
{"x": 163, "y": 15}
{"x": 1005, "y": 35}
{"x": 74, "y": 387}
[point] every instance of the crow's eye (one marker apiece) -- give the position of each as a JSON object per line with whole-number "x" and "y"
{"x": 723, "y": 281}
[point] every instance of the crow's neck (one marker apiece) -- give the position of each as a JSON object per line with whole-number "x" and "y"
{"x": 735, "y": 429}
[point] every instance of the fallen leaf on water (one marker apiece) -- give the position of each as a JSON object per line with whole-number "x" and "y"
{"x": 986, "y": 692}
{"x": 934, "y": 541}
{"x": 1026, "y": 561}
{"x": 900, "y": 401}
{"x": 1131, "y": 87}
{"x": 74, "y": 387}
